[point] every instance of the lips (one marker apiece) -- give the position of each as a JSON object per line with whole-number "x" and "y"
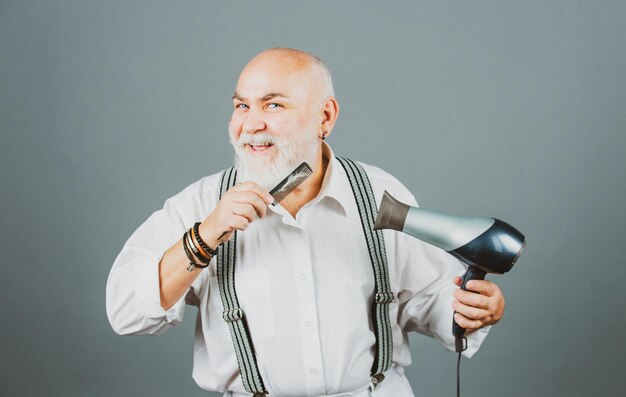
{"x": 256, "y": 148}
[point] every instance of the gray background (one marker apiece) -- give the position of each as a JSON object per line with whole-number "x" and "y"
{"x": 514, "y": 109}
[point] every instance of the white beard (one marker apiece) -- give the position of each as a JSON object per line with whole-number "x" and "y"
{"x": 291, "y": 150}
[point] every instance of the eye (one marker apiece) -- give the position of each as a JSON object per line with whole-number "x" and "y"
{"x": 241, "y": 106}
{"x": 273, "y": 105}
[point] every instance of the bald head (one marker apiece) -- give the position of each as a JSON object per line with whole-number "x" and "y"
{"x": 311, "y": 71}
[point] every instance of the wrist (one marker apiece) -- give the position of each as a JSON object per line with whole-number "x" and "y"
{"x": 212, "y": 231}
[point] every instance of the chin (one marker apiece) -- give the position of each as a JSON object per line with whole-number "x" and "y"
{"x": 263, "y": 172}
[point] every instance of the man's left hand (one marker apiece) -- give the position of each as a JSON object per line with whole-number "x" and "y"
{"x": 481, "y": 305}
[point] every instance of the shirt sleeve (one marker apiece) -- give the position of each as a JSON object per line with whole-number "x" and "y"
{"x": 133, "y": 300}
{"x": 425, "y": 295}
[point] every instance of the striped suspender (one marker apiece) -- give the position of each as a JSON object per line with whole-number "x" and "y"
{"x": 235, "y": 318}
{"x": 376, "y": 246}
{"x": 233, "y": 314}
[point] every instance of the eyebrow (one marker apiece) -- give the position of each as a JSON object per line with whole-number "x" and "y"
{"x": 265, "y": 98}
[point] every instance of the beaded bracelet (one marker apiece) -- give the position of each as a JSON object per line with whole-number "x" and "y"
{"x": 203, "y": 245}
{"x": 192, "y": 263}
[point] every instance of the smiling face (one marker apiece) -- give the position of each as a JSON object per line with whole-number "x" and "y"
{"x": 277, "y": 118}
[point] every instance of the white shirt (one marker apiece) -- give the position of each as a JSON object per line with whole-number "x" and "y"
{"x": 305, "y": 286}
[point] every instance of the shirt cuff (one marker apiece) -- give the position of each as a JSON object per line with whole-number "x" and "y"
{"x": 146, "y": 279}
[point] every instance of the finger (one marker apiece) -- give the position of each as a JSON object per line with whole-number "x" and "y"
{"x": 238, "y": 223}
{"x": 250, "y": 198}
{"x": 458, "y": 281}
{"x": 471, "y": 298}
{"x": 472, "y": 313}
{"x": 244, "y": 209}
{"x": 466, "y": 322}
{"x": 484, "y": 287}
{"x": 253, "y": 187}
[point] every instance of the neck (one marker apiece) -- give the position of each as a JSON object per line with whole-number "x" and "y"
{"x": 310, "y": 188}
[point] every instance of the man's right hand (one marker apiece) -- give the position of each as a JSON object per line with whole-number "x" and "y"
{"x": 239, "y": 206}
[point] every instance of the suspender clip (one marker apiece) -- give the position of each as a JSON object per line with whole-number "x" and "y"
{"x": 232, "y": 315}
{"x": 384, "y": 297}
{"x": 376, "y": 379}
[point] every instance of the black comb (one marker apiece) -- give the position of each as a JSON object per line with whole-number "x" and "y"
{"x": 291, "y": 182}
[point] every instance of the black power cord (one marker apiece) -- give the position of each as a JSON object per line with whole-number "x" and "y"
{"x": 460, "y": 347}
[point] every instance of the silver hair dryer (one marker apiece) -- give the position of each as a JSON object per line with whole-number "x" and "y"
{"x": 486, "y": 245}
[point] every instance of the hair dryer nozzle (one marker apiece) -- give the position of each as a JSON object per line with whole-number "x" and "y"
{"x": 391, "y": 214}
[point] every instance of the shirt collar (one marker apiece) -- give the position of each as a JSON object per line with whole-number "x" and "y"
{"x": 335, "y": 184}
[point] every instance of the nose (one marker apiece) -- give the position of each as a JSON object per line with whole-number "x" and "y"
{"x": 253, "y": 122}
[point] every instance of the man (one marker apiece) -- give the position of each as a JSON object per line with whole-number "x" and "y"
{"x": 304, "y": 278}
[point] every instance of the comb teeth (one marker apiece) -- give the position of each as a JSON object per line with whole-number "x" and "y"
{"x": 292, "y": 181}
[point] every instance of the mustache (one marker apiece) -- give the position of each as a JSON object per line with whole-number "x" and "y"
{"x": 259, "y": 138}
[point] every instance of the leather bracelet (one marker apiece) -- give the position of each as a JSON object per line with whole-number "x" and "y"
{"x": 203, "y": 245}
{"x": 192, "y": 262}
{"x": 199, "y": 253}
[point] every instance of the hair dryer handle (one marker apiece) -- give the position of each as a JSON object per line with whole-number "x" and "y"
{"x": 472, "y": 273}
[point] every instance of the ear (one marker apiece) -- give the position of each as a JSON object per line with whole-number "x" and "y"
{"x": 330, "y": 112}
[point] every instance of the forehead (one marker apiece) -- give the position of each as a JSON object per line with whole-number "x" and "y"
{"x": 265, "y": 76}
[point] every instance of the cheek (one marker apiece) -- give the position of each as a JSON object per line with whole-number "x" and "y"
{"x": 234, "y": 127}
{"x": 293, "y": 125}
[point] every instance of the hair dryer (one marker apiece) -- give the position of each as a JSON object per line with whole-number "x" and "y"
{"x": 486, "y": 245}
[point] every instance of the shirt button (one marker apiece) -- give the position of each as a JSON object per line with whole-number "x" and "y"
{"x": 313, "y": 370}
{"x": 302, "y": 277}
{"x": 307, "y": 323}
